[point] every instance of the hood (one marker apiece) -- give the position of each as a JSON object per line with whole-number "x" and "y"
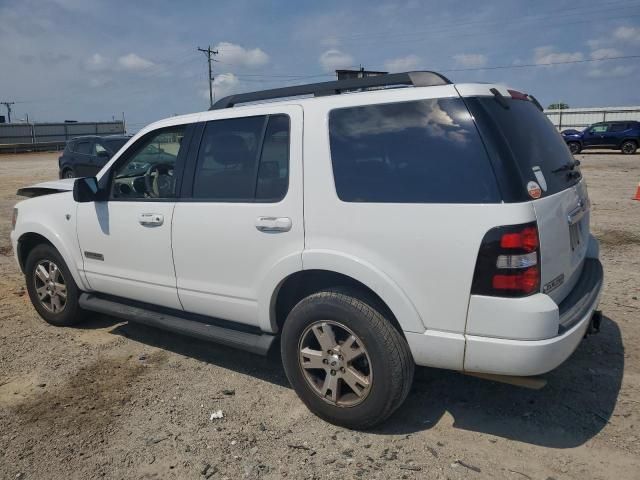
{"x": 47, "y": 188}
{"x": 571, "y": 133}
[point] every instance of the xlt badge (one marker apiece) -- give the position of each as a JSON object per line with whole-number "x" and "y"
{"x": 553, "y": 284}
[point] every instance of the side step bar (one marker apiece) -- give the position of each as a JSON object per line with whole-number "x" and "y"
{"x": 252, "y": 342}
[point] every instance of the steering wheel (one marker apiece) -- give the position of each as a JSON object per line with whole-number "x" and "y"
{"x": 158, "y": 180}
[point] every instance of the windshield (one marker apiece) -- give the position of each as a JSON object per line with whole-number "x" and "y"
{"x": 526, "y": 143}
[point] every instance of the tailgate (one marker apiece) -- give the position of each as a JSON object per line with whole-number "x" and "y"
{"x": 563, "y": 227}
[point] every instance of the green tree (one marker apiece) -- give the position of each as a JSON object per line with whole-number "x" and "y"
{"x": 558, "y": 106}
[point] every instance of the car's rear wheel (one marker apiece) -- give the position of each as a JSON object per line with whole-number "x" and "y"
{"x": 345, "y": 360}
{"x": 68, "y": 173}
{"x": 575, "y": 147}
{"x": 52, "y": 290}
{"x": 629, "y": 147}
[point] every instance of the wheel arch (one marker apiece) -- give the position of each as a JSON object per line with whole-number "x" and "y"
{"x": 29, "y": 238}
{"x": 325, "y": 270}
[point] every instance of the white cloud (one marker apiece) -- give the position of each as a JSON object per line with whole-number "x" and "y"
{"x": 470, "y": 59}
{"x": 335, "y": 59}
{"x": 402, "y": 64}
{"x": 619, "y": 71}
{"x": 601, "y": 53}
{"x": 545, "y": 55}
{"x": 97, "y": 63}
{"x": 133, "y": 62}
{"x": 223, "y": 84}
{"x": 239, "y": 56}
{"x": 627, "y": 34}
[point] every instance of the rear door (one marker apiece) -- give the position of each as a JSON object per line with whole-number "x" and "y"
{"x": 615, "y": 134}
{"x": 521, "y": 136}
{"x": 239, "y": 224}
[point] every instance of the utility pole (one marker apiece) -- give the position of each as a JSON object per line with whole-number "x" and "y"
{"x": 209, "y": 53}
{"x": 8, "y": 105}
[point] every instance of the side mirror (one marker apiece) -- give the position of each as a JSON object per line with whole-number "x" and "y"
{"x": 86, "y": 190}
{"x": 104, "y": 154}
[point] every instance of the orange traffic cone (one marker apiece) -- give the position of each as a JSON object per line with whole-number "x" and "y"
{"x": 637, "y": 197}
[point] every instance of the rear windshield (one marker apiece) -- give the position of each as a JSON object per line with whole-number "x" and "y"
{"x": 115, "y": 144}
{"x": 426, "y": 151}
{"x": 524, "y": 138}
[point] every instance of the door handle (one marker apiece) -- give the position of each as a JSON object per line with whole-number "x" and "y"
{"x": 273, "y": 224}
{"x": 151, "y": 219}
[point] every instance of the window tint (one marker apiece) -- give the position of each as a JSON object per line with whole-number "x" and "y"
{"x": 426, "y": 151}
{"x": 601, "y": 128}
{"x": 524, "y": 142}
{"x": 273, "y": 172}
{"x": 618, "y": 127}
{"x": 115, "y": 144}
{"x": 83, "y": 147}
{"x": 150, "y": 171}
{"x": 234, "y": 165}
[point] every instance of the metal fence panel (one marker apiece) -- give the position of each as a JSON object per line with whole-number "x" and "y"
{"x": 580, "y": 118}
{"x": 35, "y": 133}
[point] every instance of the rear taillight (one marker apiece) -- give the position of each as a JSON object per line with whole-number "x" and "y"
{"x": 508, "y": 262}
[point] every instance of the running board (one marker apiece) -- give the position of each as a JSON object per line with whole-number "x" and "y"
{"x": 252, "y": 342}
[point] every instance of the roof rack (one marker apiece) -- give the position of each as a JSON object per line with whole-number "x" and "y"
{"x": 416, "y": 79}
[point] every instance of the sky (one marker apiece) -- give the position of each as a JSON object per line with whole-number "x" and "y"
{"x": 92, "y": 60}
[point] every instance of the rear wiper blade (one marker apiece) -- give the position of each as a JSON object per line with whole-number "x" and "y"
{"x": 567, "y": 166}
{"x": 499, "y": 98}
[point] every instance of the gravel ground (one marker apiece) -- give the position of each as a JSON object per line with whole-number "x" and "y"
{"x": 117, "y": 400}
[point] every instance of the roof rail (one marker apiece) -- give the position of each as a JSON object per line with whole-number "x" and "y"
{"x": 416, "y": 79}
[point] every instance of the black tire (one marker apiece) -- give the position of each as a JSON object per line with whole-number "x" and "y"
{"x": 387, "y": 352}
{"x": 68, "y": 173}
{"x": 629, "y": 147}
{"x": 575, "y": 147}
{"x": 70, "y": 313}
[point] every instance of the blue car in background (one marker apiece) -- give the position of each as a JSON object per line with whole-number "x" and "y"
{"x": 619, "y": 135}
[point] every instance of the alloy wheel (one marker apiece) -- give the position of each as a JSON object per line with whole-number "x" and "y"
{"x": 335, "y": 363}
{"x": 50, "y": 286}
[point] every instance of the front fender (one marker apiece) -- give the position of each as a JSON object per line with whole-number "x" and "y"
{"x": 47, "y": 216}
{"x": 375, "y": 279}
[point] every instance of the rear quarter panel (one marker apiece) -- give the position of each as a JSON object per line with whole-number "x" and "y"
{"x": 419, "y": 258}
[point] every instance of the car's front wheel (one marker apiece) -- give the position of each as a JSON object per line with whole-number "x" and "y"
{"x": 345, "y": 360}
{"x": 52, "y": 290}
{"x": 629, "y": 147}
{"x": 575, "y": 147}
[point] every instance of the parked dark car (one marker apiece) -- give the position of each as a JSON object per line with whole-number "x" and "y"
{"x": 85, "y": 156}
{"x": 619, "y": 135}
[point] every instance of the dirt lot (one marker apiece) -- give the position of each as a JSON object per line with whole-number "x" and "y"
{"x": 118, "y": 400}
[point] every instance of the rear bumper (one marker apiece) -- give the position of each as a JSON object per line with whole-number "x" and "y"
{"x": 533, "y": 357}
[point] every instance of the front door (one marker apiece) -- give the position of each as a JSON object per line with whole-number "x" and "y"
{"x": 126, "y": 239}
{"x": 240, "y": 223}
{"x": 594, "y": 136}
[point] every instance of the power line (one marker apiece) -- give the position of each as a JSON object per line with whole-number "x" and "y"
{"x": 209, "y": 53}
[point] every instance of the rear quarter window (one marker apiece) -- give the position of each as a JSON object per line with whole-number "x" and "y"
{"x": 425, "y": 151}
{"x": 522, "y": 141}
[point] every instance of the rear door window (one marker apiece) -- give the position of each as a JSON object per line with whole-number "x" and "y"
{"x": 83, "y": 147}
{"x": 525, "y": 146}
{"x": 425, "y": 151}
{"x": 243, "y": 160}
{"x": 618, "y": 127}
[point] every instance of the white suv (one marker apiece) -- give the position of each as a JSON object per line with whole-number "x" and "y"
{"x": 370, "y": 227}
